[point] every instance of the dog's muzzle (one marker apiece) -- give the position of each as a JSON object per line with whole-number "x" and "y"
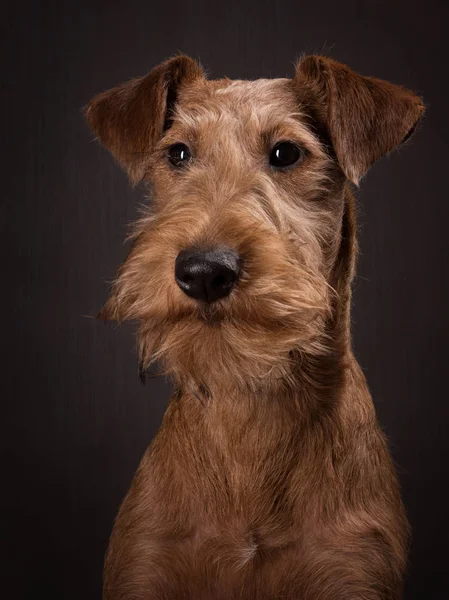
{"x": 207, "y": 275}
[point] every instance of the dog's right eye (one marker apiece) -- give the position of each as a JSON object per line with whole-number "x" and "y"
{"x": 179, "y": 155}
{"x": 285, "y": 154}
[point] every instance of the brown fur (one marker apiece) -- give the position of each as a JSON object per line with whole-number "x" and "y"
{"x": 269, "y": 477}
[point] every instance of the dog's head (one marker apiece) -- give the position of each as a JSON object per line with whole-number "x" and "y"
{"x": 244, "y": 252}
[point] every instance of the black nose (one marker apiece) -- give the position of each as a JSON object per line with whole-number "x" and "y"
{"x": 207, "y": 275}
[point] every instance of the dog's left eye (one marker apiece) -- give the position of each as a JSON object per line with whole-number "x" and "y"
{"x": 285, "y": 154}
{"x": 179, "y": 155}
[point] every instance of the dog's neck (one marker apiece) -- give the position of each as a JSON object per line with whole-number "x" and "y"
{"x": 313, "y": 384}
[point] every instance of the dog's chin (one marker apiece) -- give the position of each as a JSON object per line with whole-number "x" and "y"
{"x": 216, "y": 343}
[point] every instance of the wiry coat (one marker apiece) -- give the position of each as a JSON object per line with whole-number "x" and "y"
{"x": 269, "y": 478}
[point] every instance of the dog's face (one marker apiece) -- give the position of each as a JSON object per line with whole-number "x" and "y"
{"x": 233, "y": 261}
{"x": 234, "y": 266}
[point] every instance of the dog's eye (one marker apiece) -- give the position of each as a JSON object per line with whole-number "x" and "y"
{"x": 285, "y": 154}
{"x": 179, "y": 155}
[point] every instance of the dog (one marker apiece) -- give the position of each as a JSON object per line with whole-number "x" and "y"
{"x": 270, "y": 477}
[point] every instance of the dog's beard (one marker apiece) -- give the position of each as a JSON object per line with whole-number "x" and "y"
{"x": 245, "y": 340}
{"x": 278, "y": 308}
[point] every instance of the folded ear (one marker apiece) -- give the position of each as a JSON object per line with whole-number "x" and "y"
{"x": 365, "y": 117}
{"x": 129, "y": 119}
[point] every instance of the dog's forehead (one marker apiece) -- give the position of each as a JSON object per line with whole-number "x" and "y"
{"x": 246, "y": 90}
{"x": 261, "y": 101}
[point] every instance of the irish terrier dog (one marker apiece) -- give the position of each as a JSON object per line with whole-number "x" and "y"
{"x": 269, "y": 478}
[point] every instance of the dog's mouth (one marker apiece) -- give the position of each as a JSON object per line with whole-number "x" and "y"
{"x": 233, "y": 314}
{"x": 212, "y": 315}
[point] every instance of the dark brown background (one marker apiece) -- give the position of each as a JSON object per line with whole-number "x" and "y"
{"x": 75, "y": 419}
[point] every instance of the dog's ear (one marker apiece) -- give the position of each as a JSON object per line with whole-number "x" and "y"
{"x": 129, "y": 119}
{"x": 365, "y": 117}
